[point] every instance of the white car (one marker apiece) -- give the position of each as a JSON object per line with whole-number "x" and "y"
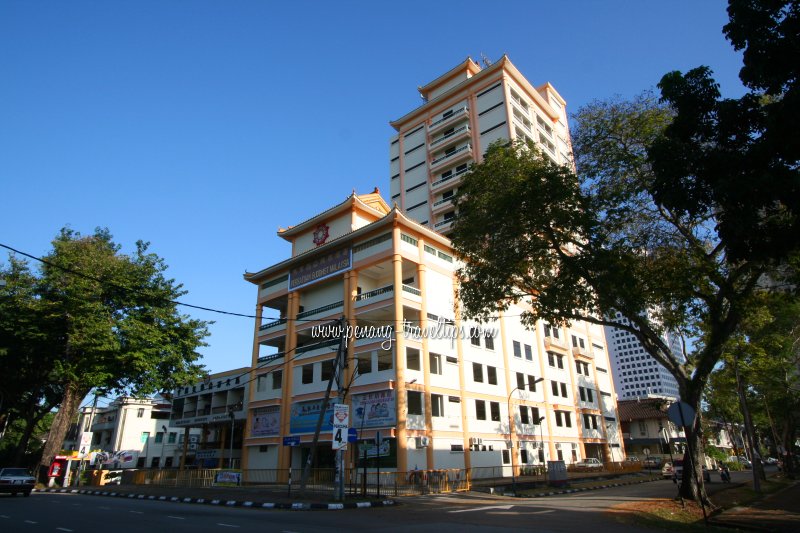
{"x": 590, "y": 463}
{"x": 16, "y": 480}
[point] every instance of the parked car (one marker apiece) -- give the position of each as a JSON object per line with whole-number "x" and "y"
{"x": 632, "y": 459}
{"x": 16, "y": 480}
{"x": 742, "y": 460}
{"x": 677, "y": 471}
{"x": 652, "y": 462}
{"x": 591, "y": 463}
{"x": 771, "y": 461}
{"x": 666, "y": 470}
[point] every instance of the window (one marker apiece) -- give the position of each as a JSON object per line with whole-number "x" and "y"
{"x": 554, "y": 387}
{"x": 506, "y": 457}
{"x": 385, "y": 360}
{"x": 523, "y": 415}
{"x": 517, "y": 349}
{"x": 582, "y": 393}
{"x": 578, "y": 342}
{"x": 589, "y": 421}
{"x": 171, "y": 438}
{"x": 488, "y": 340}
{"x": 550, "y": 331}
{"x": 435, "y": 363}
{"x": 491, "y": 375}
{"x": 412, "y": 359}
{"x": 477, "y": 372}
{"x": 589, "y": 395}
{"x": 564, "y": 390}
{"x": 437, "y": 405}
{"x": 261, "y": 383}
{"x": 480, "y": 409}
{"x": 535, "y": 418}
{"x": 308, "y": 374}
{"x": 494, "y": 408}
{"x": 523, "y": 456}
{"x": 563, "y": 419}
{"x": 414, "y": 403}
{"x": 531, "y": 383}
{"x": 159, "y": 437}
{"x": 145, "y": 436}
{"x": 474, "y": 334}
{"x": 520, "y": 381}
{"x": 277, "y": 379}
{"x": 327, "y": 370}
{"x": 528, "y": 353}
{"x": 551, "y": 359}
{"x": 364, "y": 363}
{"x": 140, "y": 412}
{"x": 642, "y": 427}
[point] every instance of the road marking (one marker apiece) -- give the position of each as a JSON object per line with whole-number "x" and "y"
{"x": 225, "y": 525}
{"x": 135, "y": 512}
{"x": 103, "y": 507}
{"x": 504, "y": 507}
{"x": 4, "y": 516}
{"x": 63, "y": 529}
{"x": 30, "y": 522}
{"x": 176, "y": 517}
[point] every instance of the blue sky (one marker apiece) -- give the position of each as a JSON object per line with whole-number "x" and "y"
{"x": 203, "y": 126}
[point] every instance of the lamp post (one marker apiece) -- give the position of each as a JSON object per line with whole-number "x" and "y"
{"x": 233, "y": 421}
{"x": 511, "y": 428}
{"x": 163, "y": 441}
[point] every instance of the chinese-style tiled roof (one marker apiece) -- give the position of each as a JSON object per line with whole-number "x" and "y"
{"x": 652, "y": 408}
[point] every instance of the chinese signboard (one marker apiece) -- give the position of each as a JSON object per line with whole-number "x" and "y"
{"x": 321, "y": 268}
{"x": 304, "y": 417}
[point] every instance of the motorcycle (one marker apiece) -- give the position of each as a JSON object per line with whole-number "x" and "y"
{"x": 725, "y": 475}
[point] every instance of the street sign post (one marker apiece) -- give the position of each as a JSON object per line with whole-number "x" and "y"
{"x": 341, "y": 423}
{"x": 352, "y": 435}
{"x": 291, "y": 441}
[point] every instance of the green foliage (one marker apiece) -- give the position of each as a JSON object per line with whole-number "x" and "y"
{"x": 93, "y": 318}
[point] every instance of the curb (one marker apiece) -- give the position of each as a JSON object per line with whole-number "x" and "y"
{"x": 583, "y": 489}
{"x": 229, "y": 503}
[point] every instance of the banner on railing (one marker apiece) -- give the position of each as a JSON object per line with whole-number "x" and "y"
{"x": 226, "y": 478}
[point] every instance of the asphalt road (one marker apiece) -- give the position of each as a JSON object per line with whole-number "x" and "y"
{"x": 463, "y": 513}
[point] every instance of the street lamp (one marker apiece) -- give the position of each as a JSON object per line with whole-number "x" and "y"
{"x": 233, "y": 421}
{"x": 530, "y": 386}
{"x": 163, "y": 441}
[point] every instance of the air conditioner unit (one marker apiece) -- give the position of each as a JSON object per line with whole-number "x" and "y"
{"x": 193, "y": 446}
{"x": 475, "y": 440}
{"x": 558, "y": 445}
{"x": 423, "y": 442}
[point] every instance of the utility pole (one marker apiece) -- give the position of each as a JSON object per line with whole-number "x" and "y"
{"x": 322, "y": 410}
{"x": 339, "y": 365}
{"x": 233, "y": 421}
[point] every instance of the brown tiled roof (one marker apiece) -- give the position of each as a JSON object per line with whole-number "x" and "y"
{"x": 642, "y": 409}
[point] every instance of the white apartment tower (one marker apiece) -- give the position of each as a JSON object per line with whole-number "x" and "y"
{"x": 465, "y": 110}
{"x": 636, "y": 373}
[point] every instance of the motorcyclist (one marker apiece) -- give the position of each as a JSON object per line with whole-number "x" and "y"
{"x": 725, "y": 474}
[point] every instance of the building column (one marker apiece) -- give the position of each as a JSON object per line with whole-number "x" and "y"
{"x": 513, "y": 439}
{"x": 462, "y": 380}
{"x": 400, "y": 356}
{"x": 426, "y": 361}
{"x": 284, "y": 452}
{"x": 248, "y": 420}
{"x": 350, "y": 367}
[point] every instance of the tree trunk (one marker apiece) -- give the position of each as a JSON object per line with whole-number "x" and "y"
{"x": 32, "y": 419}
{"x": 692, "y": 486}
{"x": 73, "y": 394}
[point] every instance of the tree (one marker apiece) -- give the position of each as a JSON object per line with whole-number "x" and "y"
{"x": 112, "y": 323}
{"x": 650, "y": 226}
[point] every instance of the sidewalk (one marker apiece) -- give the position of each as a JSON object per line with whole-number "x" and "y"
{"x": 777, "y": 512}
{"x": 256, "y": 497}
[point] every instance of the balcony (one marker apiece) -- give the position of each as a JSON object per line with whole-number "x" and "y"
{"x": 317, "y": 345}
{"x": 374, "y": 295}
{"x": 555, "y": 342}
{"x": 582, "y": 352}
{"x": 272, "y": 325}
{"x": 444, "y": 121}
{"x": 269, "y": 358}
{"x": 443, "y": 204}
{"x": 319, "y": 310}
{"x": 189, "y": 414}
{"x": 453, "y": 136}
{"x": 449, "y": 180}
{"x": 444, "y": 224}
{"x": 457, "y": 154}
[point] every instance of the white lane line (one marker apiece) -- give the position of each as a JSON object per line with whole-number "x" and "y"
{"x": 103, "y": 507}
{"x": 135, "y": 512}
{"x": 4, "y": 516}
{"x": 225, "y": 525}
{"x": 63, "y": 529}
{"x": 503, "y": 507}
{"x": 30, "y": 522}
{"x": 176, "y": 517}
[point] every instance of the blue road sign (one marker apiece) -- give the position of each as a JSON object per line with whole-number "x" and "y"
{"x": 291, "y": 441}
{"x": 352, "y": 435}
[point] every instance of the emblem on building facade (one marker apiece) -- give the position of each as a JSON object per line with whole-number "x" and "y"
{"x": 321, "y": 234}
